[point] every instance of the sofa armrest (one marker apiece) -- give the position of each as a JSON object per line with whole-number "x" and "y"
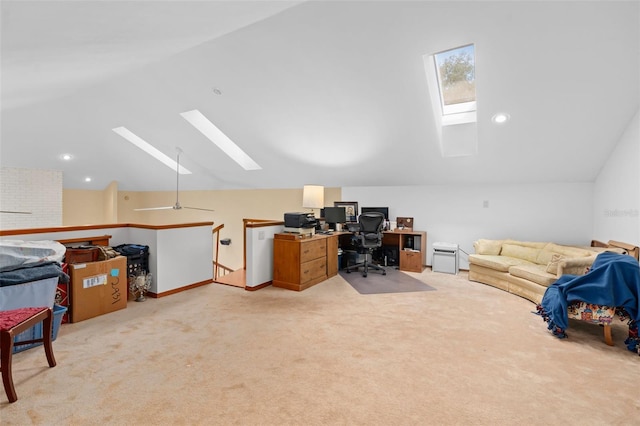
{"x": 575, "y": 265}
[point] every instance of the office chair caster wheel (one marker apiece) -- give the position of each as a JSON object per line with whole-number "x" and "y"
{"x": 364, "y": 275}
{"x": 384, "y": 272}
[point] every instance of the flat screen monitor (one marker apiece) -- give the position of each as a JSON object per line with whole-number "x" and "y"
{"x": 333, "y": 215}
{"x": 383, "y": 210}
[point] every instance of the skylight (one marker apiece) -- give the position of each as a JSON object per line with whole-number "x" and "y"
{"x": 150, "y": 149}
{"x": 455, "y": 70}
{"x": 222, "y": 141}
{"x": 451, "y": 82}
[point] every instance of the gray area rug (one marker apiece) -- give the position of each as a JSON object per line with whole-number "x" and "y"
{"x": 375, "y": 283}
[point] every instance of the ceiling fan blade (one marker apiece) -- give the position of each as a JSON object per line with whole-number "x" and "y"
{"x": 155, "y": 208}
{"x": 198, "y": 208}
{"x": 177, "y": 205}
{"x": 14, "y": 212}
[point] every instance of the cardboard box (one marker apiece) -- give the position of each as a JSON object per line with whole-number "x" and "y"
{"x": 98, "y": 288}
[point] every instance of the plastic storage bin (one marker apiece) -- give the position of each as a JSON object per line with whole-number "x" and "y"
{"x": 30, "y": 294}
{"x": 137, "y": 258}
{"x": 137, "y": 263}
{"x": 35, "y": 332}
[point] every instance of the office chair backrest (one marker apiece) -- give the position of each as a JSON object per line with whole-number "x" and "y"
{"x": 371, "y": 222}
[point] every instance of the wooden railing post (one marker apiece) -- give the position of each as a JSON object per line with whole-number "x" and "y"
{"x": 216, "y": 231}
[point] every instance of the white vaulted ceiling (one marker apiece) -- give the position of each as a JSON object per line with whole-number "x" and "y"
{"x": 325, "y": 92}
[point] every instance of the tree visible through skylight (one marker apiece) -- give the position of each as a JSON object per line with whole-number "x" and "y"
{"x": 455, "y": 69}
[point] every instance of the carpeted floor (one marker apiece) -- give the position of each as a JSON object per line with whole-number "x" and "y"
{"x": 394, "y": 281}
{"x": 466, "y": 354}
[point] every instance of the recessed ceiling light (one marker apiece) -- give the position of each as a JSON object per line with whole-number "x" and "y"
{"x": 87, "y": 179}
{"x": 66, "y": 157}
{"x": 150, "y": 149}
{"x": 221, "y": 140}
{"x": 500, "y": 118}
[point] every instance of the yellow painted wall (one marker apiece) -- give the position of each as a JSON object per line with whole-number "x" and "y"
{"x": 230, "y": 207}
{"x": 81, "y": 207}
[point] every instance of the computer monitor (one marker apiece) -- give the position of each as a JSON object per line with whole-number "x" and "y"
{"x": 383, "y": 210}
{"x": 333, "y": 215}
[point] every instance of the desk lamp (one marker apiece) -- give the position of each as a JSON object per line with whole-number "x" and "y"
{"x": 313, "y": 197}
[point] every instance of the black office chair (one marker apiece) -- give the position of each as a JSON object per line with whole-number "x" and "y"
{"x": 368, "y": 238}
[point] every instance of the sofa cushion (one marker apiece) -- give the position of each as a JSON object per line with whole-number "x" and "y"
{"x": 552, "y": 266}
{"x": 498, "y": 263}
{"x": 488, "y": 246}
{"x": 532, "y": 244}
{"x": 576, "y": 265}
{"x": 533, "y": 272}
{"x": 529, "y": 254}
{"x": 544, "y": 257}
{"x": 569, "y": 251}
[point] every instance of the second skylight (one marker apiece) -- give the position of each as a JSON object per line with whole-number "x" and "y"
{"x": 222, "y": 141}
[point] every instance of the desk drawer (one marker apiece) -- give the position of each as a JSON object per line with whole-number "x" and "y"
{"x": 310, "y": 250}
{"x": 313, "y": 269}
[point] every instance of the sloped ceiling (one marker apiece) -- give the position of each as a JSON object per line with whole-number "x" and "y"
{"x": 330, "y": 93}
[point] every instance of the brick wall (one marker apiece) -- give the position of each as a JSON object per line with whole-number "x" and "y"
{"x": 32, "y": 190}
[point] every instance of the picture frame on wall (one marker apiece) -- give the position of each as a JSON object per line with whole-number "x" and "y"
{"x": 351, "y": 209}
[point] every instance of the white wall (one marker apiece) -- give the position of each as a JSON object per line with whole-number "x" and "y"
{"x": 616, "y": 201}
{"x": 558, "y": 212}
{"x": 184, "y": 257}
{"x": 33, "y": 190}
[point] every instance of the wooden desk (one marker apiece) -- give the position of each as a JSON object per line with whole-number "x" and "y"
{"x": 299, "y": 263}
{"x": 412, "y": 254}
{"x": 302, "y": 262}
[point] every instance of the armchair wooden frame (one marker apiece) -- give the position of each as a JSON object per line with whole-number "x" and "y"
{"x": 24, "y": 318}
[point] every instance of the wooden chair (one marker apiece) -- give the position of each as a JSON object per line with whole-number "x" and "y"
{"x": 594, "y": 314}
{"x": 14, "y": 322}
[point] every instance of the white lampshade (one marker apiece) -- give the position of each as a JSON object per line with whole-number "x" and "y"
{"x": 313, "y": 197}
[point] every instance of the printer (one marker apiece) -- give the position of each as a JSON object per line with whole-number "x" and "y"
{"x": 299, "y": 220}
{"x": 300, "y": 223}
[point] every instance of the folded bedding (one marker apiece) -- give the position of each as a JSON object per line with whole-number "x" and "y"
{"x": 33, "y": 272}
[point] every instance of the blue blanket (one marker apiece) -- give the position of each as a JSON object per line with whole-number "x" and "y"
{"x": 613, "y": 280}
{"x": 33, "y": 272}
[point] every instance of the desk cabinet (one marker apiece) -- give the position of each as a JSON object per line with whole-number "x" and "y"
{"x": 299, "y": 263}
{"x": 412, "y": 246}
{"x": 413, "y": 250}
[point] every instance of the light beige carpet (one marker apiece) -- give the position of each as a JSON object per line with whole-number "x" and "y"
{"x": 465, "y": 354}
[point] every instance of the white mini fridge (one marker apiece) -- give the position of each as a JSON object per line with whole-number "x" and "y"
{"x": 445, "y": 258}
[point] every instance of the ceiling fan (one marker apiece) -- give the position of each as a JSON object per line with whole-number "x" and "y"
{"x": 177, "y": 205}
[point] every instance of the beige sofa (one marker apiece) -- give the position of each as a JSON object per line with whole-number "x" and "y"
{"x": 527, "y": 268}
